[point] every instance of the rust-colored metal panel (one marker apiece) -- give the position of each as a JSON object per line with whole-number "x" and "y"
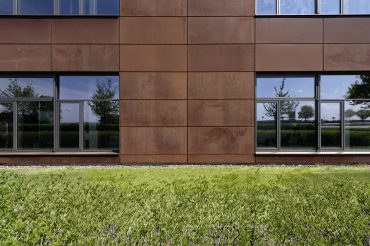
{"x": 221, "y": 7}
{"x": 356, "y": 159}
{"x": 221, "y": 140}
{"x": 309, "y": 159}
{"x": 221, "y": 159}
{"x": 25, "y": 31}
{"x": 236, "y": 57}
{"x": 153, "y": 30}
{"x": 153, "y": 58}
{"x": 25, "y": 58}
{"x": 94, "y": 58}
{"x": 289, "y": 30}
{"x": 347, "y": 57}
{"x": 289, "y": 57}
{"x": 152, "y": 159}
{"x": 153, "y": 112}
{"x": 85, "y": 31}
{"x": 347, "y": 30}
{"x": 153, "y": 140}
{"x": 153, "y": 85}
{"x": 59, "y": 160}
{"x": 221, "y": 113}
{"x": 221, "y": 85}
{"x": 153, "y": 8}
{"x": 221, "y": 30}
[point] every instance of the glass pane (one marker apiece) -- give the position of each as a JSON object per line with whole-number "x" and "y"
{"x": 89, "y": 87}
{"x": 345, "y": 86}
{"x": 357, "y": 127}
{"x": 89, "y": 7}
{"x": 298, "y": 128}
{"x": 107, "y": 7}
{"x": 6, "y": 7}
{"x": 330, "y": 7}
{"x": 26, "y": 87}
{"x": 297, "y": 7}
{"x": 331, "y": 125}
{"x": 69, "y": 130}
{"x": 266, "y": 7}
{"x": 269, "y": 87}
{"x": 69, "y": 7}
{"x": 356, "y": 7}
{"x": 6, "y": 125}
{"x": 266, "y": 125}
{"x": 36, "y": 7}
{"x": 101, "y": 125}
{"x": 35, "y": 125}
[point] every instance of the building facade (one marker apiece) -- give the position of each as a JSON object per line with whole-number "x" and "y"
{"x": 184, "y": 81}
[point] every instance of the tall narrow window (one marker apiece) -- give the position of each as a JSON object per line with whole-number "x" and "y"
{"x": 266, "y": 125}
{"x": 6, "y": 126}
{"x": 331, "y": 125}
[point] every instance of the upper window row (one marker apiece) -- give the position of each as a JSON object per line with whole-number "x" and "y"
{"x": 59, "y": 7}
{"x": 311, "y": 7}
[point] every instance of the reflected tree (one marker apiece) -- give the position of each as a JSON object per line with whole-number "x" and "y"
{"x": 363, "y": 114}
{"x": 306, "y": 112}
{"x": 360, "y": 90}
{"x": 349, "y": 113}
{"x": 101, "y": 107}
{"x": 286, "y": 107}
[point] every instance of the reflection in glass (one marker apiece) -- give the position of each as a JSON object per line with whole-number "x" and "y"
{"x": 35, "y": 125}
{"x": 345, "y": 86}
{"x": 87, "y": 87}
{"x": 330, "y": 7}
{"x": 6, "y": 125}
{"x": 101, "y": 125}
{"x": 268, "y": 87}
{"x": 266, "y": 125}
{"x": 297, "y": 7}
{"x": 266, "y": 7}
{"x": 36, "y": 7}
{"x": 6, "y": 7}
{"x": 357, "y": 124}
{"x": 331, "y": 136}
{"x": 298, "y": 127}
{"x": 107, "y": 7}
{"x": 356, "y": 6}
{"x": 26, "y": 87}
{"x": 69, "y": 7}
{"x": 69, "y": 129}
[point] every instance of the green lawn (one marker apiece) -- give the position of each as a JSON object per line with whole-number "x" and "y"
{"x": 185, "y": 205}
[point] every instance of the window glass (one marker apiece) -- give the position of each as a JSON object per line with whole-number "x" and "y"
{"x": 330, "y": 7}
{"x": 6, "y": 125}
{"x": 269, "y": 87}
{"x": 35, "y": 125}
{"x": 89, "y": 7}
{"x": 356, "y": 7}
{"x": 298, "y": 127}
{"x": 298, "y": 7}
{"x": 101, "y": 125}
{"x": 89, "y": 87}
{"x": 266, "y": 125}
{"x": 357, "y": 124}
{"x": 6, "y": 7}
{"x": 69, "y": 128}
{"x": 36, "y": 7}
{"x": 26, "y": 87}
{"x": 107, "y": 7}
{"x": 331, "y": 136}
{"x": 69, "y": 7}
{"x": 266, "y": 7}
{"x": 345, "y": 86}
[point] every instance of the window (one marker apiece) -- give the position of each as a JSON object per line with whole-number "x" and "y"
{"x": 311, "y": 7}
{"x": 84, "y": 116}
{"x": 60, "y": 7}
{"x": 288, "y": 109}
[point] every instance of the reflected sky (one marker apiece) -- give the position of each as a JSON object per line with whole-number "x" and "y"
{"x": 356, "y": 6}
{"x": 107, "y": 7}
{"x": 43, "y": 87}
{"x": 83, "y": 87}
{"x": 296, "y": 86}
{"x": 266, "y": 7}
{"x": 36, "y": 7}
{"x": 330, "y": 7}
{"x": 297, "y": 7}
{"x": 336, "y": 86}
{"x": 6, "y": 7}
{"x": 69, "y": 7}
{"x": 330, "y": 111}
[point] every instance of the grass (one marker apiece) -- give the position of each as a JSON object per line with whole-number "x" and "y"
{"x": 185, "y": 205}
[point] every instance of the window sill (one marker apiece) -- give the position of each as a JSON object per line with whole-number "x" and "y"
{"x": 314, "y": 153}
{"x": 59, "y": 154}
